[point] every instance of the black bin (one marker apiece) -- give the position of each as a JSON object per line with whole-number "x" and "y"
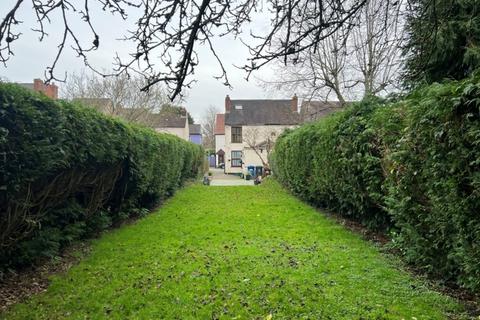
{"x": 258, "y": 171}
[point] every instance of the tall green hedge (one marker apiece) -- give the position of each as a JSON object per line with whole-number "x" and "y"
{"x": 68, "y": 172}
{"x": 411, "y": 167}
{"x": 337, "y": 163}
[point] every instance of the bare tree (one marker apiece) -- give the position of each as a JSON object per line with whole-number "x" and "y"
{"x": 357, "y": 60}
{"x": 208, "y": 126}
{"x": 377, "y": 44}
{"x": 168, "y": 32}
{"x": 314, "y": 74}
{"x": 259, "y": 139}
{"x": 118, "y": 96}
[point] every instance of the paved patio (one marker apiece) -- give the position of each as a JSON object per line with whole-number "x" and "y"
{"x": 218, "y": 178}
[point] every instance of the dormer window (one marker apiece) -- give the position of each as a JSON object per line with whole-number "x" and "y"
{"x": 236, "y": 134}
{"x": 238, "y": 107}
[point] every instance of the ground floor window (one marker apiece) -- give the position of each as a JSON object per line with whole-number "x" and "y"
{"x": 236, "y": 158}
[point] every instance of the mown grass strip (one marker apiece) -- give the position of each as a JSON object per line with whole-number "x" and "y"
{"x": 235, "y": 253}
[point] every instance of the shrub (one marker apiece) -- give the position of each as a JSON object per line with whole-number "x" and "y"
{"x": 337, "y": 163}
{"x": 68, "y": 172}
{"x": 411, "y": 167}
{"x": 434, "y": 188}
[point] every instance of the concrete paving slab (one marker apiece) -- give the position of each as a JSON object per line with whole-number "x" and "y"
{"x": 238, "y": 182}
{"x": 219, "y": 178}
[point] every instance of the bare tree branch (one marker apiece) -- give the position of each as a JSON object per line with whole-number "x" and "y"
{"x": 357, "y": 60}
{"x": 117, "y": 96}
{"x": 208, "y": 127}
{"x": 261, "y": 139}
{"x": 169, "y": 32}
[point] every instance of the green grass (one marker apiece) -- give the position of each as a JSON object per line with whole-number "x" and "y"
{"x": 235, "y": 253}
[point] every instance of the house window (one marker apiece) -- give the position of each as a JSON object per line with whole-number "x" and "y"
{"x": 236, "y": 158}
{"x": 236, "y": 134}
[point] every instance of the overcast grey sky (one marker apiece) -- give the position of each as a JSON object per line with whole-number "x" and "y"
{"x": 32, "y": 57}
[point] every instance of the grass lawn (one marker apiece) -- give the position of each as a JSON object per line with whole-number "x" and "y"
{"x": 235, "y": 253}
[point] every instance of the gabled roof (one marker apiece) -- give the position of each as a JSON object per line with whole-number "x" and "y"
{"x": 261, "y": 112}
{"x": 219, "y": 124}
{"x": 168, "y": 121}
{"x": 314, "y": 110}
{"x": 195, "y": 129}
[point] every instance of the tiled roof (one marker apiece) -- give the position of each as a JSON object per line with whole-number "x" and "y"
{"x": 314, "y": 110}
{"x": 195, "y": 129}
{"x": 261, "y": 112}
{"x": 168, "y": 121}
{"x": 220, "y": 124}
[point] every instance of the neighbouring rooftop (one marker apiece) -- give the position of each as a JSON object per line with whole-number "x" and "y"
{"x": 220, "y": 124}
{"x": 262, "y": 112}
{"x": 195, "y": 129}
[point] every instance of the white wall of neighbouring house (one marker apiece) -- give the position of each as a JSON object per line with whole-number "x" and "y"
{"x": 219, "y": 144}
{"x": 179, "y": 132}
{"x": 183, "y": 133}
{"x": 249, "y": 156}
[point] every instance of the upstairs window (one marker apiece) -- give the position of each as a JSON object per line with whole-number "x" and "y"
{"x": 236, "y": 134}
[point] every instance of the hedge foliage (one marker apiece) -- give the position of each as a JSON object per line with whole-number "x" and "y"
{"x": 411, "y": 167}
{"x": 68, "y": 172}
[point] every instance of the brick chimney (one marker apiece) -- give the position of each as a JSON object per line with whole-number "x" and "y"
{"x": 38, "y": 85}
{"x": 50, "y": 90}
{"x": 295, "y": 103}
{"x": 228, "y": 104}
